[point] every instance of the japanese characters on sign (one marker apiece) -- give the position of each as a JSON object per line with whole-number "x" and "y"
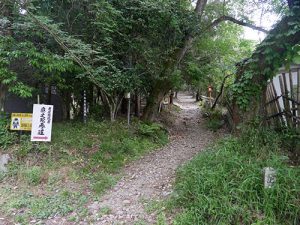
{"x": 42, "y": 122}
{"x": 21, "y": 121}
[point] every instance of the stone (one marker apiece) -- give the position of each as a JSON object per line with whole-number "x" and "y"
{"x": 126, "y": 202}
{"x": 269, "y": 177}
{"x": 4, "y": 159}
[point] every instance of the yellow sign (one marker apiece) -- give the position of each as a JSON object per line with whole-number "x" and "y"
{"x": 21, "y": 121}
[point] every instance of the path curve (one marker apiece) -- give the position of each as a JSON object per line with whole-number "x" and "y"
{"x": 152, "y": 176}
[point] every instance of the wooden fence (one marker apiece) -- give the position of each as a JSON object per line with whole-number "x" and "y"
{"x": 283, "y": 98}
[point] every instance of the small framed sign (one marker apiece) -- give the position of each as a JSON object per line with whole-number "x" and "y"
{"x": 21, "y": 121}
{"x": 42, "y": 122}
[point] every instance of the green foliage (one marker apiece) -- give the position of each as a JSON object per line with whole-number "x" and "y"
{"x": 102, "y": 182}
{"x": 79, "y": 156}
{"x": 290, "y": 140}
{"x": 278, "y": 49}
{"x": 32, "y": 175}
{"x": 120, "y": 143}
{"x": 245, "y": 90}
{"x": 214, "y": 56}
{"x": 6, "y": 138}
{"x": 214, "y": 124}
{"x": 60, "y": 203}
{"x": 224, "y": 185}
{"x": 42, "y": 62}
{"x": 215, "y": 118}
{"x": 154, "y": 131}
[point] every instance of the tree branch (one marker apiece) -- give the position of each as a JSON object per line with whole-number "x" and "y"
{"x": 200, "y": 6}
{"x": 239, "y": 22}
{"x": 221, "y": 91}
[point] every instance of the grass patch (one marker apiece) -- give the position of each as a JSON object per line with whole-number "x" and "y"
{"x": 215, "y": 118}
{"x": 224, "y": 185}
{"x": 103, "y": 181}
{"x": 32, "y": 206}
{"x": 80, "y": 156}
{"x": 32, "y": 175}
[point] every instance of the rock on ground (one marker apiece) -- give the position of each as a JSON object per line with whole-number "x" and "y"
{"x": 4, "y": 159}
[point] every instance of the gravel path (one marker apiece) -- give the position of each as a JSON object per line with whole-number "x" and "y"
{"x": 151, "y": 177}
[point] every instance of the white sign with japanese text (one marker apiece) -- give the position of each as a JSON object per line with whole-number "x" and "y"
{"x": 41, "y": 122}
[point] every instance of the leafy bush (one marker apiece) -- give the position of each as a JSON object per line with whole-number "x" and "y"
{"x": 290, "y": 140}
{"x": 102, "y": 182}
{"x": 153, "y": 130}
{"x": 6, "y": 138}
{"x": 225, "y": 184}
{"x": 32, "y": 175}
{"x": 120, "y": 144}
{"x": 215, "y": 118}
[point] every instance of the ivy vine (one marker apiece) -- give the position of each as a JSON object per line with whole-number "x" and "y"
{"x": 277, "y": 50}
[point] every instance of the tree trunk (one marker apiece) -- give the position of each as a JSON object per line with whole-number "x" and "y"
{"x": 153, "y": 101}
{"x": 3, "y": 90}
{"x": 137, "y": 105}
{"x": 161, "y": 86}
{"x": 5, "y": 30}
{"x": 49, "y": 94}
{"x": 66, "y": 106}
{"x": 171, "y": 98}
{"x": 197, "y": 96}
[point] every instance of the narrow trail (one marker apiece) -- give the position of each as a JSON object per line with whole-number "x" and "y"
{"x": 152, "y": 177}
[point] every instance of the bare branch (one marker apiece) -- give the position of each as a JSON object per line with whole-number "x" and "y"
{"x": 239, "y": 22}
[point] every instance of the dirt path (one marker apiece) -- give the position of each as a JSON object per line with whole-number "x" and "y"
{"x": 151, "y": 177}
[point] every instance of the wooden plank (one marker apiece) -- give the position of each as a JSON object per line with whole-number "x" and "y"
{"x": 268, "y": 107}
{"x": 273, "y": 100}
{"x": 292, "y": 97}
{"x": 286, "y": 94}
{"x": 283, "y": 99}
{"x": 277, "y": 102}
{"x": 276, "y": 115}
{"x": 291, "y": 100}
{"x": 276, "y": 120}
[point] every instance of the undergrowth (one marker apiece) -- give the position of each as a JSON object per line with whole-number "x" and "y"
{"x": 6, "y": 138}
{"x": 224, "y": 185}
{"x": 88, "y": 155}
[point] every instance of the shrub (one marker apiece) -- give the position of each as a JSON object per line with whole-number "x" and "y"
{"x": 154, "y": 131}
{"x": 6, "y": 138}
{"x": 225, "y": 184}
{"x": 32, "y": 175}
{"x": 290, "y": 140}
{"x": 215, "y": 119}
{"x": 102, "y": 182}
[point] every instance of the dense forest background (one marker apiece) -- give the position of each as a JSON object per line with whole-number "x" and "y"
{"x": 104, "y": 49}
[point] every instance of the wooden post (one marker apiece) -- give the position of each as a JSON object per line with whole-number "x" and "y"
{"x": 171, "y": 97}
{"x": 84, "y": 107}
{"x": 127, "y": 96}
{"x": 137, "y": 104}
{"x": 128, "y": 112}
{"x": 277, "y": 102}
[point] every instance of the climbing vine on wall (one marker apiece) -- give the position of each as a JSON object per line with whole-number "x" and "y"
{"x": 280, "y": 48}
